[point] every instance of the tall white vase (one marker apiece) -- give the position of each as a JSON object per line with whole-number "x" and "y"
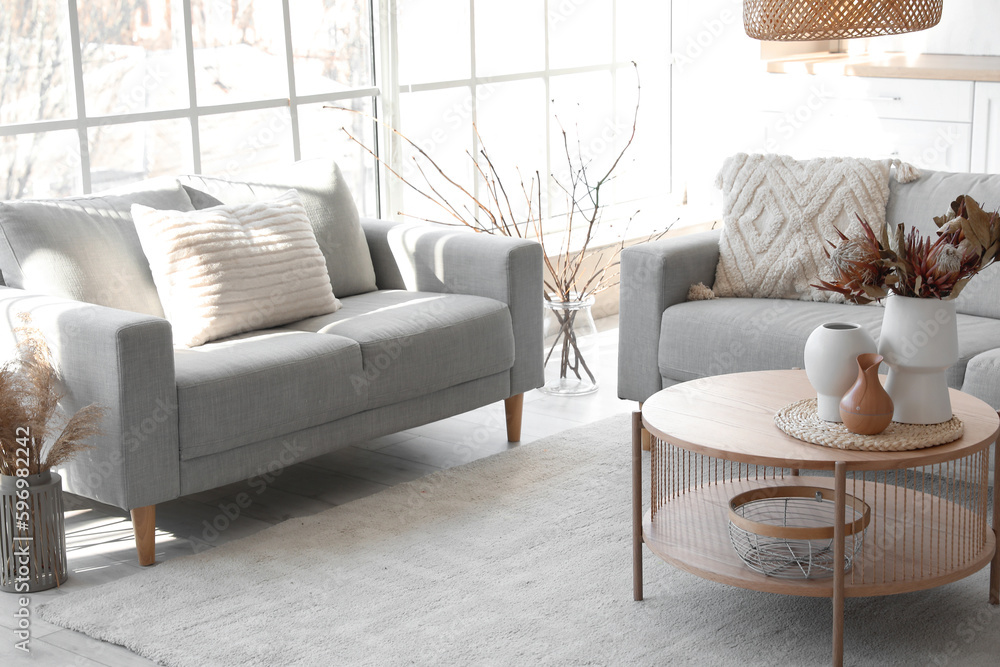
{"x": 919, "y": 341}
{"x": 831, "y": 356}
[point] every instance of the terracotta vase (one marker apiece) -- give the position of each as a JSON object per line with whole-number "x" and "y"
{"x": 866, "y": 408}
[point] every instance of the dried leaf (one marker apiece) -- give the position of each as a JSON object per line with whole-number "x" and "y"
{"x": 874, "y": 292}
{"x": 959, "y": 286}
{"x": 900, "y": 247}
{"x": 972, "y": 234}
{"x": 989, "y": 255}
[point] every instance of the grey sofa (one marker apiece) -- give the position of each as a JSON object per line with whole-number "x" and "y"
{"x": 665, "y": 339}
{"x": 435, "y": 322}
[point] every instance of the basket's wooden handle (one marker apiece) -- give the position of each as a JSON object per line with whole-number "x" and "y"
{"x": 795, "y": 532}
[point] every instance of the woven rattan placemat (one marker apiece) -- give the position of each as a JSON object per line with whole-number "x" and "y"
{"x": 800, "y": 420}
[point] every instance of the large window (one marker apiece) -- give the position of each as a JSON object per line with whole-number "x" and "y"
{"x": 520, "y": 71}
{"x": 97, "y": 94}
{"x": 101, "y": 93}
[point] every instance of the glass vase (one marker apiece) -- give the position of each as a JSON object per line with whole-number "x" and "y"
{"x": 571, "y": 347}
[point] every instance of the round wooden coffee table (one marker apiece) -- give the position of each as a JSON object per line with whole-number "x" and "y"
{"x": 713, "y": 438}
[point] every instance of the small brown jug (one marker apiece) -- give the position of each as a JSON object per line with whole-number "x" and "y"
{"x": 866, "y": 407}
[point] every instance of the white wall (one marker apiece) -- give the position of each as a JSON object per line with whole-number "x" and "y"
{"x": 968, "y": 27}
{"x": 716, "y": 67}
{"x": 718, "y": 78}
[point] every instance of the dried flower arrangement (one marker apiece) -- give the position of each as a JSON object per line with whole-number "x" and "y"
{"x": 29, "y": 398}
{"x": 867, "y": 267}
{"x": 574, "y": 270}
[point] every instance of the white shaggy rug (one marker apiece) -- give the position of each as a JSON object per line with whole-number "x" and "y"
{"x": 523, "y": 558}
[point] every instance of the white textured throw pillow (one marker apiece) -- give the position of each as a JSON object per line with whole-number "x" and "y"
{"x": 778, "y": 213}
{"x": 230, "y": 269}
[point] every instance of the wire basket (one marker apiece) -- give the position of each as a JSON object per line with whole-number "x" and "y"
{"x": 787, "y": 531}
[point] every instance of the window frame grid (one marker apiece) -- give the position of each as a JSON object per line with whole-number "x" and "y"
{"x": 394, "y": 198}
{"x": 193, "y": 112}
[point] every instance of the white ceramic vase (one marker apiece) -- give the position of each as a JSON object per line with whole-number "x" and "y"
{"x": 831, "y": 356}
{"x": 919, "y": 341}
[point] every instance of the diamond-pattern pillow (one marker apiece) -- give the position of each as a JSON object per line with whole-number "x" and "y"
{"x": 778, "y": 213}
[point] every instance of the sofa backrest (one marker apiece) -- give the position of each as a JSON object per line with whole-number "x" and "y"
{"x": 85, "y": 248}
{"x": 328, "y": 203}
{"x": 918, "y": 202}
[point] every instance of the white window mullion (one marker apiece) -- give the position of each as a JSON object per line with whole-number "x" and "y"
{"x": 292, "y": 96}
{"x": 473, "y": 89}
{"x": 192, "y": 88}
{"x": 388, "y": 83}
{"x": 544, "y": 179}
{"x": 373, "y": 36}
{"x": 81, "y": 103}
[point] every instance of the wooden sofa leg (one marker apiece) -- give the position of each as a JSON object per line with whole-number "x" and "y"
{"x": 144, "y": 526}
{"x": 512, "y": 409}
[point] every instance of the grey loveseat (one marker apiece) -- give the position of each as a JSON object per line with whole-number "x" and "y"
{"x": 435, "y": 321}
{"x": 665, "y": 339}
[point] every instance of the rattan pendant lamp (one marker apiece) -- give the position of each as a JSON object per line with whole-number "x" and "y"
{"x": 794, "y": 20}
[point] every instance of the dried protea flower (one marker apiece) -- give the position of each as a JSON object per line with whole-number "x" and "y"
{"x": 933, "y": 268}
{"x": 864, "y": 268}
{"x": 949, "y": 259}
{"x": 967, "y": 247}
{"x": 855, "y": 259}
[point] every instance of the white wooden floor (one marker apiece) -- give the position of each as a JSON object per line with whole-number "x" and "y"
{"x": 99, "y": 537}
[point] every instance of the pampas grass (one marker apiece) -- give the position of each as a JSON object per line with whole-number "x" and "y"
{"x": 29, "y": 410}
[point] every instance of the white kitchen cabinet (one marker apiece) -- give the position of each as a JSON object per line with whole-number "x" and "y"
{"x": 928, "y": 123}
{"x": 986, "y": 128}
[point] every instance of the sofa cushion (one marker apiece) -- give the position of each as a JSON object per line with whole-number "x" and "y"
{"x": 700, "y": 338}
{"x": 262, "y": 385}
{"x": 226, "y": 270}
{"x": 84, "y": 248}
{"x": 981, "y": 377}
{"x": 931, "y": 195}
{"x": 327, "y": 201}
{"x": 779, "y": 213}
{"x": 415, "y": 343}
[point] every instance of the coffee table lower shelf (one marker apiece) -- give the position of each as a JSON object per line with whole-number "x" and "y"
{"x": 916, "y": 540}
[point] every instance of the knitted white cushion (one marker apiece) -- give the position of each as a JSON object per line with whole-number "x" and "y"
{"x": 778, "y": 213}
{"x": 230, "y": 269}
